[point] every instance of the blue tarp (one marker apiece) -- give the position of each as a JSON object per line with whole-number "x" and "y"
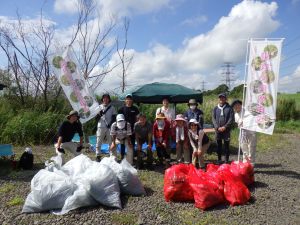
{"x": 6, "y": 150}
{"x": 105, "y": 147}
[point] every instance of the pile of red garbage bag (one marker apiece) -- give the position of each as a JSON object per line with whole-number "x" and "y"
{"x": 219, "y": 184}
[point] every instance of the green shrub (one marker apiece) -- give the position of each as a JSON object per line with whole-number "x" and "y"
{"x": 286, "y": 110}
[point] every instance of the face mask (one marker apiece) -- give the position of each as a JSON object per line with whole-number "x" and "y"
{"x": 192, "y": 107}
{"x": 161, "y": 124}
{"x": 121, "y": 124}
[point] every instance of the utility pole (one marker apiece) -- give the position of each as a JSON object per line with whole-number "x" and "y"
{"x": 228, "y": 71}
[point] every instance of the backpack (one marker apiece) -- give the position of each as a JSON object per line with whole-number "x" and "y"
{"x": 26, "y": 161}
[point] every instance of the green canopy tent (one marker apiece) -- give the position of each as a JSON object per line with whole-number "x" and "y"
{"x": 154, "y": 93}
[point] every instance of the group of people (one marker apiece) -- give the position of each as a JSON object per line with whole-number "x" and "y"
{"x": 131, "y": 129}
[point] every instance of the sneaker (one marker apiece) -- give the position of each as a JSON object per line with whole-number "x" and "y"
{"x": 98, "y": 158}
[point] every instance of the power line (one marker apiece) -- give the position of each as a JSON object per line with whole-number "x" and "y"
{"x": 203, "y": 85}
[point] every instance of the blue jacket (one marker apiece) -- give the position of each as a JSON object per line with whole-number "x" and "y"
{"x": 196, "y": 114}
{"x": 223, "y": 121}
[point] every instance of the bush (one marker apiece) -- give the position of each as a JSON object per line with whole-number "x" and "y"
{"x": 286, "y": 110}
{"x": 29, "y": 127}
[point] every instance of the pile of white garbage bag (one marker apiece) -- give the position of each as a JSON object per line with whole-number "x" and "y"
{"x": 81, "y": 182}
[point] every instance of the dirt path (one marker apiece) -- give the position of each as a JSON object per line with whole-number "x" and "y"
{"x": 275, "y": 199}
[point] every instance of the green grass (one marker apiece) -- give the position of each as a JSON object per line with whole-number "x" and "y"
{"x": 295, "y": 97}
{"x": 15, "y": 201}
{"x": 124, "y": 218}
{"x": 6, "y": 188}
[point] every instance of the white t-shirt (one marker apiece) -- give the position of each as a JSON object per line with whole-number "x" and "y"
{"x": 169, "y": 112}
{"x": 107, "y": 118}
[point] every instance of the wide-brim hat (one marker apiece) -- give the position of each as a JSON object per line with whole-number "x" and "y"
{"x": 160, "y": 116}
{"x": 73, "y": 112}
{"x": 180, "y": 117}
{"x": 194, "y": 121}
{"x": 192, "y": 102}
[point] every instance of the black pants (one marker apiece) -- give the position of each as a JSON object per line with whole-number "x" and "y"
{"x": 162, "y": 152}
{"x": 132, "y": 139}
{"x": 226, "y": 149}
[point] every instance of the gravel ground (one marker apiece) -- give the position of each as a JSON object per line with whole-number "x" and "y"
{"x": 275, "y": 197}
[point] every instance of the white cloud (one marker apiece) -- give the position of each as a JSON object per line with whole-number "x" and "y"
{"x": 290, "y": 83}
{"x": 114, "y": 7}
{"x": 200, "y": 57}
{"x": 194, "y": 21}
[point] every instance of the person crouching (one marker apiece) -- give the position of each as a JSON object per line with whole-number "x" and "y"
{"x": 120, "y": 132}
{"x": 199, "y": 142}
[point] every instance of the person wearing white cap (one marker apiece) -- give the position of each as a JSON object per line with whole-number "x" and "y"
{"x": 199, "y": 142}
{"x": 182, "y": 140}
{"x": 121, "y": 132}
{"x": 222, "y": 118}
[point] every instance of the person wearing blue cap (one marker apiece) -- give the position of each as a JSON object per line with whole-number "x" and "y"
{"x": 222, "y": 118}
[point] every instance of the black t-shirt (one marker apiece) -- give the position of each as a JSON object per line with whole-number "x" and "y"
{"x": 67, "y": 130}
{"x": 130, "y": 114}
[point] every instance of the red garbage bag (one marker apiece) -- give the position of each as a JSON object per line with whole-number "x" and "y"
{"x": 206, "y": 192}
{"x": 176, "y": 184}
{"x": 243, "y": 171}
{"x": 225, "y": 173}
{"x": 236, "y": 193}
{"x": 212, "y": 167}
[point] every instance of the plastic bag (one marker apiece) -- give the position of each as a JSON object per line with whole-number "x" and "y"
{"x": 127, "y": 176}
{"x": 54, "y": 163}
{"x": 49, "y": 190}
{"x": 77, "y": 166}
{"x": 212, "y": 167}
{"x": 244, "y": 171}
{"x": 236, "y": 193}
{"x": 176, "y": 184}
{"x": 103, "y": 185}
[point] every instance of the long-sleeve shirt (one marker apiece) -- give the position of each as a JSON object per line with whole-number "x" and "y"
{"x": 161, "y": 136}
{"x": 196, "y": 114}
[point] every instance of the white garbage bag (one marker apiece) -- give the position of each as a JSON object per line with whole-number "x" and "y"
{"x": 77, "y": 166}
{"x": 127, "y": 176}
{"x": 49, "y": 190}
{"x": 54, "y": 163}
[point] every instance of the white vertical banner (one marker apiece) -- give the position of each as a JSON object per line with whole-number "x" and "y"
{"x": 74, "y": 85}
{"x": 261, "y": 85}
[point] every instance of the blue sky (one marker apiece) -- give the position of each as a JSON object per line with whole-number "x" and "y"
{"x": 186, "y": 41}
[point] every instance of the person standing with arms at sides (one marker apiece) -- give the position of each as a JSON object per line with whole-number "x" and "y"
{"x": 143, "y": 134}
{"x": 247, "y": 137}
{"x": 130, "y": 113}
{"x": 66, "y": 133}
{"x": 105, "y": 118}
{"x": 120, "y": 132}
{"x": 199, "y": 142}
{"x": 161, "y": 133}
{"x": 194, "y": 113}
{"x": 166, "y": 110}
{"x": 222, "y": 118}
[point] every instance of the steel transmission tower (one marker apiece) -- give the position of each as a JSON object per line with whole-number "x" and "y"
{"x": 228, "y": 72}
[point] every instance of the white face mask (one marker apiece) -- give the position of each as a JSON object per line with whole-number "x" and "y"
{"x": 121, "y": 124}
{"x": 160, "y": 124}
{"x": 192, "y": 107}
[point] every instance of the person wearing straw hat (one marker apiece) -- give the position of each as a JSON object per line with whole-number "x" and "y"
{"x": 247, "y": 138}
{"x": 105, "y": 118}
{"x": 182, "y": 140}
{"x": 121, "y": 132}
{"x": 66, "y": 133}
{"x": 194, "y": 113}
{"x": 161, "y": 133}
{"x": 222, "y": 118}
{"x": 199, "y": 142}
